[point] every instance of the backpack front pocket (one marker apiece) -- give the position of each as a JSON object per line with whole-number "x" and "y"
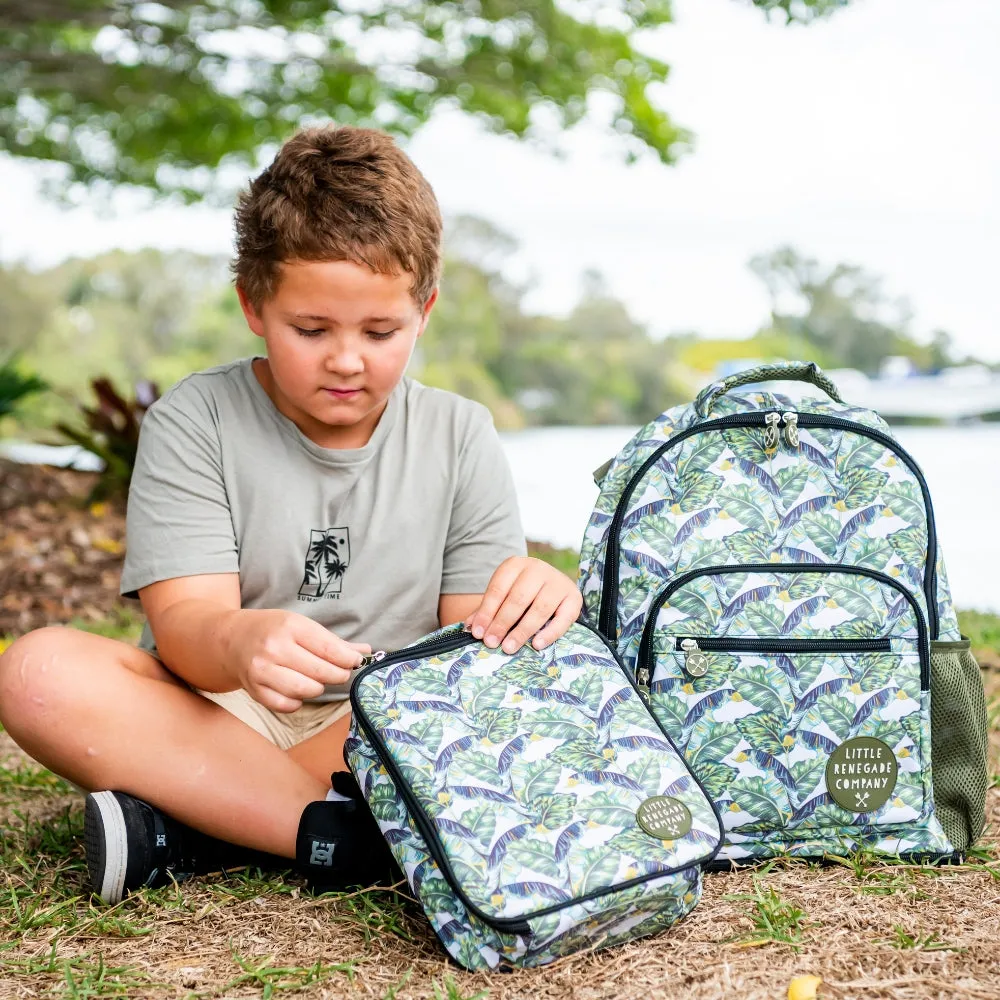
{"x": 798, "y": 693}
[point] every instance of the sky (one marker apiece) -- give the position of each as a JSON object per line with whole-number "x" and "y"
{"x": 870, "y": 138}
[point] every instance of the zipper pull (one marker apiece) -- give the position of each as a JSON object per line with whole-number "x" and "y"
{"x": 367, "y": 661}
{"x": 792, "y": 429}
{"x": 695, "y": 661}
{"x": 642, "y": 677}
{"x": 771, "y": 423}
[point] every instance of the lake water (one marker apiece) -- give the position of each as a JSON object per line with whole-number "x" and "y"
{"x": 553, "y": 473}
{"x": 552, "y": 470}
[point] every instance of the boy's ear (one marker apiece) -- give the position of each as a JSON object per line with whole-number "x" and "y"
{"x": 426, "y": 311}
{"x": 250, "y": 312}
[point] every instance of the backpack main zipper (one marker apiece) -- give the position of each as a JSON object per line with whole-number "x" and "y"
{"x": 771, "y": 420}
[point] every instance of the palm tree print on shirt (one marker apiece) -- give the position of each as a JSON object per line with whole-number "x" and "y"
{"x": 327, "y": 559}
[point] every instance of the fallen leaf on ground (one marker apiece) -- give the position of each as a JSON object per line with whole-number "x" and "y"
{"x": 804, "y": 987}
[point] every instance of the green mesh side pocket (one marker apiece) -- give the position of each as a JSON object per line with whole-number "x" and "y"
{"x": 959, "y": 742}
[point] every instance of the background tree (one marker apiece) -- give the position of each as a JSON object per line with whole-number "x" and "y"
{"x": 123, "y": 315}
{"x": 160, "y": 94}
{"x": 841, "y": 311}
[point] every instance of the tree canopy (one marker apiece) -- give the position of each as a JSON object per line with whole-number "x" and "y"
{"x": 842, "y": 313}
{"x": 160, "y": 94}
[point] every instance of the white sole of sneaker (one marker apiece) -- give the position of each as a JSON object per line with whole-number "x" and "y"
{"x": 111, "y": 844}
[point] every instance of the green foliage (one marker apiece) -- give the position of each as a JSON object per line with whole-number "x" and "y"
{"x": 263, "y": 973}
{"x": 803, "y": 11}
{"x": 88, "y": 975}
{"x": 983, "y": 628}
{"x": 127, "y": 316}
{"x": 597, "y": 365}
{"x": 161, "y": 95}
{"x": 452, "y": 991}
{"x": 161, "y": 315}
{"x": 774, "y": 920}
{"x": 152, "y": 94}
{"x": 843, "y": 317}
{"x": 925, "y": 942}
{"x": 112, "y": 433}
{"x": 16, "y": 385}
{"x": 21, "y": 779}
{"x": 566, "y": 560}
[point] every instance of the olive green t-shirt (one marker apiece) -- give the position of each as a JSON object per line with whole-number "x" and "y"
{"x": 364, "y": 541}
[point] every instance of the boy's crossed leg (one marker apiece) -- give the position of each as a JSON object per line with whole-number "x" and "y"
{"x": 106, "y": 715}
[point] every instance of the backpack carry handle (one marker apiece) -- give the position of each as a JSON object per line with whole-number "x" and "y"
{"x": 799, "y": 371}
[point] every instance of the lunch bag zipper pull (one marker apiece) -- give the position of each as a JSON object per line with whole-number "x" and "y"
{"x": 791, "y": 428}
{"x": 695, "y": 661}
{"x": 771, "y": 424}
{"x": 377, "y": 656}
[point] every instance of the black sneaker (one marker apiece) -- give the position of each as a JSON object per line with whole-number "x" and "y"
{"x": 131, "y": 844}
{"x": 339, "y": 844}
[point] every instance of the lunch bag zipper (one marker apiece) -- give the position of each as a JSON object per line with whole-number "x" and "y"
{"x": 771, "y": 420}
{"x": 439, "y": 644}
{"x": 511, "y": 925}
{"x": 644, "y": 662}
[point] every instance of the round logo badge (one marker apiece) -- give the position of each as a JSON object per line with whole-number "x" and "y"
{"x": 861, "y": 774}
{"x": 663, "y": 817}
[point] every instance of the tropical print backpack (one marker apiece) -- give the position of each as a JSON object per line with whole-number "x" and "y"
{"x": 533, "y": 801}
{"x": 769, "y": 570}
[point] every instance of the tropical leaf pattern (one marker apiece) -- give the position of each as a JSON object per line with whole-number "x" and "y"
{"x": 530, "y": 778}
{"x": 722, "y": 497}
{"x": 758, "y": 728}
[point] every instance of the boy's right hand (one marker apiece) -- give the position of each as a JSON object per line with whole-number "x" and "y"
{"x": 281, "y": 658}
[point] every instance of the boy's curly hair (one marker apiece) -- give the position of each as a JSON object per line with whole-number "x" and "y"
{"x": 338, "y": 193}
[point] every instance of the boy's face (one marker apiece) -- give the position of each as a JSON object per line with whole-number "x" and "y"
{"x": 339, "y": 337}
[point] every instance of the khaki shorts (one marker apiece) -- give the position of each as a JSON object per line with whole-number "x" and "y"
{"x": 283, "y": 729}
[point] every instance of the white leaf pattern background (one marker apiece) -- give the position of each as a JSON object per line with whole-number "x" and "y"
{"x": 758, "y": 729}
{"x": 531, "y": 783}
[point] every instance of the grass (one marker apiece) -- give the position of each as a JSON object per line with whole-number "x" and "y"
{"x": 262, "y": 972}
{"x": 773, "y": 920}
{"x": 563, "y": 559}
{"x": 925, "y": 942}
{"x": 124, "y": 623}
{"x": 868, "y": 925}
{"x": 982, "y": 627}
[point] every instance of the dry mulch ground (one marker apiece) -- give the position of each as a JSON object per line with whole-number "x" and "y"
{"x": 883, "y": 932}
{"x": 60, "y": 558}
{"x": 871, "y": 930}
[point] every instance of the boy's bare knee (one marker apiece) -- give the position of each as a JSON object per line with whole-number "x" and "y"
{"x": 51, "y": 668}
{"x": 30, "y": 673}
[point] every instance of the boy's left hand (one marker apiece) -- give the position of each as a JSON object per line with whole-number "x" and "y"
{"x": 525, "y": 597}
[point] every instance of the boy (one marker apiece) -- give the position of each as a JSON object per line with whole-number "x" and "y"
{"x": 287, "y": 513}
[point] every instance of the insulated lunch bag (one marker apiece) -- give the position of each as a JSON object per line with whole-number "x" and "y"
{"x": 769, "y": 570}
{"x": 533, "y": 802}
